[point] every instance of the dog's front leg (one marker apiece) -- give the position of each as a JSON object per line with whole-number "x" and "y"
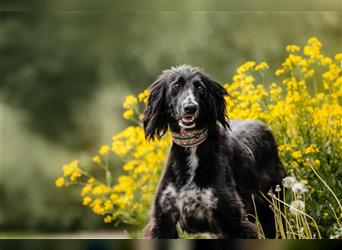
{"x": 237, "y": 229}
{"x": 161, "y": 226}
{"x": 164, "y": 219}
{"x": 231, "y": 222}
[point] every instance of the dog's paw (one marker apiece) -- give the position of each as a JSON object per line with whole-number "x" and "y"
{"x": 248, "y": 230}
{"x": 147, "y": 231}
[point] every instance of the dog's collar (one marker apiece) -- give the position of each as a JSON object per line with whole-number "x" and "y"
{"x": 189, "y": 138}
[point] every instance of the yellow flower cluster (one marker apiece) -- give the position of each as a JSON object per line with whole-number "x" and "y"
{"x": 130, "y": 102}
{"x": 135, "y": 189}
{"x": 261, "y": 66}
{"x": 301, "y": 106}
{"x": 72, "y": 170}
{"x": 134, "y": 105}
{"x": 303, "y": 110}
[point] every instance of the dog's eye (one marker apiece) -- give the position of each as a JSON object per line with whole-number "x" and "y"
{"x": 200, "y": 88}
{"x": 175, "y": 86}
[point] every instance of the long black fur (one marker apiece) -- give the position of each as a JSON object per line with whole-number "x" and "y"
{"x": 237, "y": 160}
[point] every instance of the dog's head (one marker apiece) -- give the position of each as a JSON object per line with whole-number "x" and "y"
{"x": 186, "y": 98}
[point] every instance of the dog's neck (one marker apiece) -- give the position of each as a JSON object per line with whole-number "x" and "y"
{"x": 190, "y": 138}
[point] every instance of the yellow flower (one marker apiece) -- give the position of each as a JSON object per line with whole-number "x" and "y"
{"x": 143, "y": 96}
{"x": 338, "y": 56}
{"x": 296, "y": 154}
{"x": 294, "y": 164}
{"x": 326, "y": 61}
{"x": 130, "y": 165}
{"x": 75, "y": 175}
{"x": 96, "y": 159}
{"x": 96, "y": 206}
{"x": 325, "y": 215}
{"x": 292, "y": 48}
{"x": 114, "y": 197}
{"x": 67, "y": 169}
{"x": 86, "y": 200}
{"x": 104, "y": 150}
{"x": 60, "y": 182}
{"x": 261, "y": 66}
{"x": 279, "y": 72}
{"x": 130, "y": 102}
{"x": 86, "y": 189}
{"x": 314, "y": 41}
{"x": 108, "y": 205}
{"x": 108, "y": 219}
{"x": 128, "y": 114}
{"x": 311, "y": 149}
{"x": 91, "y": 180}
{"x": 245, "y": 67}
{"x": 72, "y": 170}
{"x": 100, "y": 189}
{"x": 304, "y": 181}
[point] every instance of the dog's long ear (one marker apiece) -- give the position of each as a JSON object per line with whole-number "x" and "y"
{"x": 155, "y": 114}
{"x": 216, "y": 101}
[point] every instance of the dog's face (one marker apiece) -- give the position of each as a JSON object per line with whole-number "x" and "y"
{"x": 184, "y": 98}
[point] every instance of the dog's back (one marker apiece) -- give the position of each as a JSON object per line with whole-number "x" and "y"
{"x": 258, "y": 150}
{"x": 256, "y": 166}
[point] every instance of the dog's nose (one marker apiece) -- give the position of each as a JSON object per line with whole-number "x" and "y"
{"x": 190, "y": 109}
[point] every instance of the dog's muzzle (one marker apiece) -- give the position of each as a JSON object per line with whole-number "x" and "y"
{"x": 189, "y": 111}
{"x": 190, "y": 138}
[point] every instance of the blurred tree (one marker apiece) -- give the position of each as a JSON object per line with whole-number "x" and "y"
{"x": 47, "y": 69}
{"x": 55, "y": 62}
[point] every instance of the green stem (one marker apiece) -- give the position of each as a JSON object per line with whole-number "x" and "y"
{"x": 257, "y": 219}
{"x": 284, "y": 199}
{"x": 337, "y": 219}
{"x": 305, "y": 214}
{"x": 108, "y": 174}
{"x": 327, "y": 186}
{"x": 90, "y": 176}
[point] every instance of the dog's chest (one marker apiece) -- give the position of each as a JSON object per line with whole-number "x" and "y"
{"x": 190, "y": 200}
{"x": 193, "y": 201}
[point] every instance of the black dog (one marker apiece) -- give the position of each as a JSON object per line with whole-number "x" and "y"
{"x": 214, "y": 166}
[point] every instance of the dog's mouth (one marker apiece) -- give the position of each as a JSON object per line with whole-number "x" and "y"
{"x": 187, "y": 121}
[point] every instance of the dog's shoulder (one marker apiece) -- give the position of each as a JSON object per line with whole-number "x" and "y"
{"x": 238, "y": 126}
{"x": 250, "y": 130}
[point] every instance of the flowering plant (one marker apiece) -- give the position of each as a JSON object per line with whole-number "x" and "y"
{"x": 302, "y": 107}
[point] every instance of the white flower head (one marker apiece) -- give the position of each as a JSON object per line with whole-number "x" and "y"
{"x": 289, "y": 181}
{"x": 278, "y": 188}
{"x": 297, "y": 205}
{"x": 299, "y": 188}
{"x": 336, "y": 232}
{"x": 270, "y": 192}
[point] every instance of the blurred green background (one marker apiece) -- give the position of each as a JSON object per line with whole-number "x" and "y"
{"x": 66, "y": 68}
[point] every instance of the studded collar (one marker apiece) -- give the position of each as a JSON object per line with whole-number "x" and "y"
{"x": 190, "y": 138}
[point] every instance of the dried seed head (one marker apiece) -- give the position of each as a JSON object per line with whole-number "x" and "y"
{"x": 297, "y": 206}
{"x": 299, "y": 188}
{"x": 289, "y": 181}
{"x": 278, "y": 188}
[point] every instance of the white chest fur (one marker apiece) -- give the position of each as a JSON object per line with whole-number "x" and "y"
{"x": 195, "y": 201}
{"x": 190, "y": 200}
